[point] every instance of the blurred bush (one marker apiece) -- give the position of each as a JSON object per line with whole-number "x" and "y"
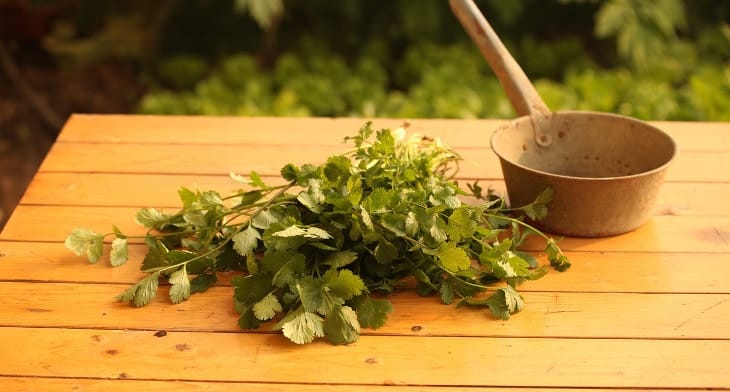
{"x": 659, "y": 59}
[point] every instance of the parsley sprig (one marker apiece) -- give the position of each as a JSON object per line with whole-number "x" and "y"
{"x": 319, "y": 255}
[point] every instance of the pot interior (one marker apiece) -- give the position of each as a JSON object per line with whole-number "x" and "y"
{"x": 586, "y": 145}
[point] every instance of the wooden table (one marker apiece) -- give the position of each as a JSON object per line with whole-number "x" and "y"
{"x": 648, "y": 309}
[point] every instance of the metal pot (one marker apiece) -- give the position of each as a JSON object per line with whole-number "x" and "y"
{"x": 605, "y": 170}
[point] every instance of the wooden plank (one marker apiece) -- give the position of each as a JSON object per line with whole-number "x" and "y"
{"x": 212, "y": 159}
{"x": 54, "y": 223}
{"x": 269, "y": 159}
{"x": 52, "y": 262}
{"x": 666, "y": 233}
{"x": 651, "y": 272}
{"x": 567, "y": 315}
{"x": 697, "y": 136}
{"x": 260, "y": 130}
{"x": 63, "y": 188}
{"x": 677, "y": 198}
{"x": 591, "y": 271}
{"x": 84, "y": 189}
{"x": 373, "y": 360}
{"x": 33, "y": 384}
{"x": 93, "y": 128}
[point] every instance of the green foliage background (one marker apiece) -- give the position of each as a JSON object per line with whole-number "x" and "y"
{"x": 651, "y": 59}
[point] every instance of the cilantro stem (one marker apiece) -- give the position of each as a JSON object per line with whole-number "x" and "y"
{"x": 279, "y": 199}
{"x": 560, "y": 263}
{"x": 228, "y": 238}
{"x": 266, "y": 191}
{"x": 422, "y": 245}
{"x": 399, "y": 201}
{"x": 157, "y": 235}
{"x": 468, "y": 283}
{"x": 518, "y": 222}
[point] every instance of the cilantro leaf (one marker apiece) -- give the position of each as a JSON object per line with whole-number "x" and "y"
{"x": 556, "y": 257}
{"x": 366, "y": 219}
{"x": 290, "y": 172}
{"x": 118, "y": 232}
{"x": 180, "y": 256}
{"x": 180, "y": 289}
{"x": 285, "y": 266}
{"x": 250, "y": 289}
{"x": 317, "y": 233}
{"x": 310, "y": 293}
{"x": 267, "y": 308}
{"x": 329, "y": 301}
{"x": 310, "y": 201}
{"x": 528, "y": 257}
{"x": 306, "y": 232}
{"x": 340, "y": 259}
{"x": 502, "y": 303}
{"x": 438, "y": 230}
{"x": 343, "y": 283}
{"x": 371, "y": 313}
{"x": 411, "y": 224}
{"x": 156, "y": 254}
{"x": 256, "y": 180}
{"x": 264, "y": 219}
{"x": 250, "y": 197}
{"x": 246, "y": 241}
{"x": 354, "y": 189}
{"x": 447, "y": 293}
{"x": 538, "y": 208}
{"x": 385, "y": 252}
{"x": 462, "y": 224}
{"x": 396, "y": 223}
{"x": 342, "y": 325}
{"x": 187, "y": 197}
{"x": 119, "y": 252}
{"x": 505, "y": 301}
{"x": 142, "y": 292}
{"x": 202, "y": 282}
{"x": 423, "y": 279}
{"x": 86, "y": 242}
{"x": 337, "y": 167}
{"x": 302, "y": 326}
{"x": 460, "y": 286}
{"x": 248, "y": 319}
{"x": 453, "y": 258}
{"x": 376, "y": 201}
{"x": 361, "y": 222}
{"x": 151, "y": 217}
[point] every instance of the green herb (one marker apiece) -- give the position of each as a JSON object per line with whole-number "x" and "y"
{"x": 320, "y": 262}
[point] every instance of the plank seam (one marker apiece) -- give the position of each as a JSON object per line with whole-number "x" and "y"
{"x": 394, "y": 387}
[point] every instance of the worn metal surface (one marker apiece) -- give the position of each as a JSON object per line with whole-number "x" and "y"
{"x": 605, "y": 170}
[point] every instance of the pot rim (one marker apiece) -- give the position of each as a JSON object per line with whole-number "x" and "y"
{"x": 614, "y": 117}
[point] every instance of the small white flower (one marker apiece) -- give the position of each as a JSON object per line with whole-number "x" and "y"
{"x": 399, "y": 134}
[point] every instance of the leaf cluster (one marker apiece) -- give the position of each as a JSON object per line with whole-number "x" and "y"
{"x": 320, "y": 262}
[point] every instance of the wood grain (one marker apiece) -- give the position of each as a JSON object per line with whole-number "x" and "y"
{"x": 263, "y": 131}
{"x": 33, "y": 384}
{"x": 648, "y": 310}
{"x": 697, "y": 233}
{"x": 479, "y": 163}
{"x": 216, "y": 159}
{"x": 90, "y": 128}
{"x": 73, "y": 189}
{"x": 617, "y": 272}
{"x": 568, "y": 315}
{"x": 373, "y": 360}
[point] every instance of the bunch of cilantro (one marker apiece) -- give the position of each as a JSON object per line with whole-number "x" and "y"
{"x": 319, "y": 255}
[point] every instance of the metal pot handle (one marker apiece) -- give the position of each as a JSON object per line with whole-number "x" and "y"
{"x": 521, "y": 93}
